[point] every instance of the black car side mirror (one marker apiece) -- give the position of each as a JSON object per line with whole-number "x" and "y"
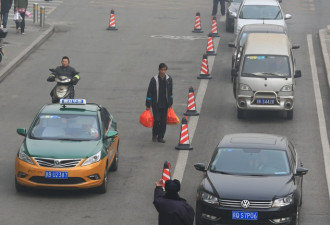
{"x": 200, "y": 167}
{"x": 295, "y": 46}
{"x": 297, "y": 74}
{"x": 231, "y": 44}
{"x": 301, "y": 171}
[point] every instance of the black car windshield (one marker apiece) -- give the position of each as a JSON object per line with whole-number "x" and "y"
{"x": 266, "y": 66}
{"x": 261, "y": 12}
{"x": 66, "y": 127}
{"x": 250, "y": 162}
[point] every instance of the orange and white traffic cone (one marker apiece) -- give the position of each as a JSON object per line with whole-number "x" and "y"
{"x": 166, "y": 172}
{"x": 184, "y": 143}
{"x": 214, "y": 28}
{"x": 191, "y": 106}
{"x": 204, "y": 69}
{"x": 198, "y": 24}
{"x": 112, "y": 21}
{"x": 210, "y": 47}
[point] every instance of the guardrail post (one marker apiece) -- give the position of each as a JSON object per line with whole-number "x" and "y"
{"x": 35, "y": 12}
{"x": 42, "y": 16}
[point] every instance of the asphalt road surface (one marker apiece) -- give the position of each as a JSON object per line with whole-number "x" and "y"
{"x": 115, "y": 69}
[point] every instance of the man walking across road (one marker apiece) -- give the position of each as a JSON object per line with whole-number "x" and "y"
{"x": 222, "y": 6}
{"x": 5, "y": 7}
{"x": 160, "y": 98}
{"x": 172, "y": 209}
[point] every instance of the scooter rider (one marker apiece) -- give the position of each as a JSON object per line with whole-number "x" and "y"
{"x": 65, "y": 70}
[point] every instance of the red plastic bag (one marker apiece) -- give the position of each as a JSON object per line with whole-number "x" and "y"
{"x": 172, "y": 118}
{"x": 147, "y": 119}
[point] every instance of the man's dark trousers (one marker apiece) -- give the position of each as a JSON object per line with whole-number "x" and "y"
{"x": 222, "y": 6}
{"x": 160, "y": 117}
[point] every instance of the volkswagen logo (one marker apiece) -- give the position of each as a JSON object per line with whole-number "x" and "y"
{"x": 245, "y": 204}
{"x": 57, "y": 162}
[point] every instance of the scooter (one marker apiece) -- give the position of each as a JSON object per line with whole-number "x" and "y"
{"x": 63, "y": 89}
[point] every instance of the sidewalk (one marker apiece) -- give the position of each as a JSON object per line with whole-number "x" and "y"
{"x": 18, "y": 47}
{"x": 325, "y": 46}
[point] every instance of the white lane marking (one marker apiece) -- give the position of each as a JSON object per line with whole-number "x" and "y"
{"x": 320, "y": 112}
{"x": 181, "y": 162}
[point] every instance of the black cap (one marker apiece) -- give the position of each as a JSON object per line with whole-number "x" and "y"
{"x": 172, "y": 186}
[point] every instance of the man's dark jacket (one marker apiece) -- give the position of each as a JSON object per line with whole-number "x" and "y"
{"x": 65, "y": 71}
{"x": 172, "y": 211}
{"x": 6, "y": 5}
{"x": 153, "y": 90}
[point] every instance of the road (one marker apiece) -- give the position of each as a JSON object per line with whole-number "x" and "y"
{"x": 115, "y": 68}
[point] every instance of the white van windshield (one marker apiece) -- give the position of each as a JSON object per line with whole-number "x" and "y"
{"x": 266, "y": 66}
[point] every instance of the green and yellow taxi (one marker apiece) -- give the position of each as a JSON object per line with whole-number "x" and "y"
{"x": 70, "y": 145}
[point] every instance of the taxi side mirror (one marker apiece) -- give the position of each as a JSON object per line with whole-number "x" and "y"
{"x": 200, "y": 167}
{"x": 297, "y": 74}
{"x": 111, "y": 134}
{"x": 21, "y": 131}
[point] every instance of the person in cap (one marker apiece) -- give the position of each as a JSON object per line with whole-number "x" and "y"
{"x": 160, "y": 98}
{"x": 172, "y": 209}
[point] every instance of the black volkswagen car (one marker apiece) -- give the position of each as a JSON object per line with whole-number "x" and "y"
{"x": 251, "y": 179}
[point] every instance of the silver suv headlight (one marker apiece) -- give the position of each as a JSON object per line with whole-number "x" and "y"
{"x": 244, "y": 87}
{"x": 286, "y": 88}
{"x": 280, "y": 202}
{"x": 93, "y": 159}
{"x": 210, "y": 199}
{"x": 24, "y": 156}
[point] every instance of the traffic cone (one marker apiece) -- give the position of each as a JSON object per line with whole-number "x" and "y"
{"x": 214, "y": 28}
{"x": 198, "y": 24}
{"x": 184, "y": 143}
{"x": 210, "y": 47}
{"x": 166, "y": 172}
{"x": 112, "y": 21}
{"x": 191, "y": 106}
{"x": 204, "y": 69}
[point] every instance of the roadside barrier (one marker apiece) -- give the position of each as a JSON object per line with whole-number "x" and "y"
{"x": 214, "y": 28}
{"x": 184, "y": 143}
{"x": 204, "y": 74}
{"x": 198, "y": 24}
{"x": 210, "y": 47}
{"x": 112, "y": 21}
{"x": 191, "y": 106}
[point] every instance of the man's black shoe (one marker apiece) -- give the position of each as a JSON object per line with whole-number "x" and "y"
{"x": 161, "y": 140}
{"x": 154, "y": 139}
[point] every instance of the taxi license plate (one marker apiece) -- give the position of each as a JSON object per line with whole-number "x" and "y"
{"x": 56, "y": 175}
{"x": 243, "y": 215}
{"x": 266, "y": 101}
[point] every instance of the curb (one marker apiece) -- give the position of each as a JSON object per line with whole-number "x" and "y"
{"x": 322, "y": 34}
{"x": 25, "y": 53}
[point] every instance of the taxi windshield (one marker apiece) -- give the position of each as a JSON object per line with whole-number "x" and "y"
{"x": 66, "y": 127}
{"x": 266, "y": 66}
{"x": 250, "y": 162}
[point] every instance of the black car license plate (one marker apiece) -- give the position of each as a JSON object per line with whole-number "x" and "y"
{"x": 263, "y": 101}
{"x": 244, "y": 215}
{"x": 56, "y": 175}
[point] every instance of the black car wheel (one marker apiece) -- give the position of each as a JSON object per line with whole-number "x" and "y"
{"x": 240, "y": 113}
{"x": 19, "y": 187}
{"x": 289, "y": 115}
{"x": 114, "y": 164}
{"x": 229, "y": 24}
{"x": 103, "y": 188}
{"x": 296, "y": 219}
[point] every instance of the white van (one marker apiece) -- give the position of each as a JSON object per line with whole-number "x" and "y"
{"x": 265, "y": 78}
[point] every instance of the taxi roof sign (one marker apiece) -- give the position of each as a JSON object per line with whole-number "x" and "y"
{"x": 73, "y": 101}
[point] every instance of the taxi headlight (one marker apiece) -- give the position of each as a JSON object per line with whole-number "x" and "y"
{"x": 210, "y": 199}
{"x": 24, "y": 156}
{"x": 244, "y": 87}
{"x": 93, "y": 159}
{"x": 286, "y": 88}
{"x": 280, "y": 202}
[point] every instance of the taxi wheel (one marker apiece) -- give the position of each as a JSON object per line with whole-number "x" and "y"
{"x": 103, "y": 188}
{"x": 114, "y": 164}
{"x": 19, "y": 187}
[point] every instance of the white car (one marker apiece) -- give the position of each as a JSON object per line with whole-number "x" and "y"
{"x": 258, "y": 12}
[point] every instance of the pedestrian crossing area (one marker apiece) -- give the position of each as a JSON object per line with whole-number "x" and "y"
{"x": 50, "y": 6}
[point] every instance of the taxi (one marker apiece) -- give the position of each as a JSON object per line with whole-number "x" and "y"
{"x": 70, "y": 145}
